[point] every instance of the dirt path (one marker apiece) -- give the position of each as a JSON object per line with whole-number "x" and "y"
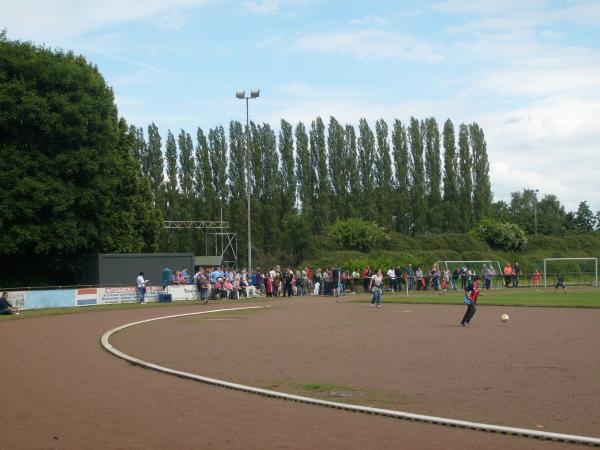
{"x": 63, "y": 391}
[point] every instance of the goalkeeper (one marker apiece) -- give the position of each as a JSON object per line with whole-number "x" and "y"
{"x": 560, "y": 282}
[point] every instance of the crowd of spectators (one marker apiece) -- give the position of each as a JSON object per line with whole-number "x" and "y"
{"x": 228, "y": 283}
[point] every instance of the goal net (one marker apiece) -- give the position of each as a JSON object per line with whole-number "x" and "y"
{"x": 479, "y": 267}
{"x": 577, "y": 271}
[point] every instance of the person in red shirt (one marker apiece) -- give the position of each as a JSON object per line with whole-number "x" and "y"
{"x": 471, "y": 294}
{"x": 535, "y": 279}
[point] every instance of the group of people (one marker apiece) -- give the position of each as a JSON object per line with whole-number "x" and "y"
{"x": 228, "y": 283}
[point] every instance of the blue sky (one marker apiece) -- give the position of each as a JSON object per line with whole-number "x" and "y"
{"x": 527, "y": 72}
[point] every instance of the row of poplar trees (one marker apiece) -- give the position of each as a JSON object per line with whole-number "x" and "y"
{"x": 409, "y": 179}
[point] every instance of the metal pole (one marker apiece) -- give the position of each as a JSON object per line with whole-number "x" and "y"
{"x": 248, "y": 187}
{"x": 535, "y": 209}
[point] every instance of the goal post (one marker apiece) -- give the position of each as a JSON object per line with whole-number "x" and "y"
{"x": 477, "y": 266}
{"x": 593, "y": 275}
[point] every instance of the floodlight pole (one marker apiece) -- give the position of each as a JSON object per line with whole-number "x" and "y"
{"x": 254, "y": 93}
{"x": 535, "y": 209}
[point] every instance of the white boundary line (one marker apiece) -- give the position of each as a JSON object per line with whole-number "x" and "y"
{"x": 544, "y": 435}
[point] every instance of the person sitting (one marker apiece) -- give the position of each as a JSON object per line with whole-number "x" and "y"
{"x": 6, "y": 307}
{"x": 186, "y": 276}
{"x": 178, "y": 278}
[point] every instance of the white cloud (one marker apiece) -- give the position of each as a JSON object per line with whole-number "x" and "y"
{"x": 263, "y": 6}
{"x": 269, "y": 41}
{"x": 371, "y": 43}
{"x": 39, "y": 19}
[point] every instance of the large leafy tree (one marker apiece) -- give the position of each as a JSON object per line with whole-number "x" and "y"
{"x": 71, "y": 186}
{"x": 584, "y": 218}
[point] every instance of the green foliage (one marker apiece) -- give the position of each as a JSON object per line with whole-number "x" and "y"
{"x": 502, "y": 235}
{"x": 71, "y": 185}
{"x": 357, "y": 234}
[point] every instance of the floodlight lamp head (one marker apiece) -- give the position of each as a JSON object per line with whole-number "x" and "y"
{"x": 254, "y": 93}
{"x": 240, "y": 94}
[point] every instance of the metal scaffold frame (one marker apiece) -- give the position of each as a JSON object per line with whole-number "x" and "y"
{"x": 225, "y": 241}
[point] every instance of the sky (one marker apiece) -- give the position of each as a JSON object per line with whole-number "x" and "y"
{"x": 528, "y": 72}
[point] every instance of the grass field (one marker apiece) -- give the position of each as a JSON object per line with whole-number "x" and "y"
{"x": 576, "y": 298}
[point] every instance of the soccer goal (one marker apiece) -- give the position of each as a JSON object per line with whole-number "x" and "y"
{"x": 477, "y": 267}
{"x": 582, "y": 271}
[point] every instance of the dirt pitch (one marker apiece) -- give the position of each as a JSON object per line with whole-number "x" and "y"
{"x": 62, "y": 390}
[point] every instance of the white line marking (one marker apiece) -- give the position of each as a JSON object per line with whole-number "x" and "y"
{"x": 544, "y": 435}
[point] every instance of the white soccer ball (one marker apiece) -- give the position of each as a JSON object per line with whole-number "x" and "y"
{"x": 505, "y": 318}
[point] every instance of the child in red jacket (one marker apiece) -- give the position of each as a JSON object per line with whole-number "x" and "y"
{"x": 471, "y": 294}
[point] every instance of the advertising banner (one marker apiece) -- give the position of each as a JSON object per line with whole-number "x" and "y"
{"x": 109, "y": 296}
{"x": 58, "y": 298}
{"x": 88, "y": 296}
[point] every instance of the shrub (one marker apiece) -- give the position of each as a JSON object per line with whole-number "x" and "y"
{"x": 502, "y": 235}
{"x": 357, "y": 234}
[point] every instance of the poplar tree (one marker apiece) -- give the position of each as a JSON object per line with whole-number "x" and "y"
{"x": 465, "y": 182}
{"x": 153, "y": 166}
{"x": 402, "y": 209}
{"x": 318, "y": 151}
{"x": 203, "y": 179}
{"x": 304, "y": 170}
{"x": 417, "y": 177}
{"x": 482, "y": 190}
{"x": 237, "y": 184}
{"x": 383, "y": 175}
{"x": 186, "y": 169}
{"x": 266, "y": 234}
{"x": 287, "y": 177}
{"x": 433, "y": 177}
{"x": 217, "y": 145}
{"x": 336, "y": 149}
{"x": 366, "y": 154}
{"x": 351, "y": 169}
{"x": 171, "y": 183}
{"x": 451, "y": 205}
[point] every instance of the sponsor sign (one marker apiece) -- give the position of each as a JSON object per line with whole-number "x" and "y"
{"x": 86, "y": 297}
{"x": 58, "y": 298}
{"x": 109, "y": 296}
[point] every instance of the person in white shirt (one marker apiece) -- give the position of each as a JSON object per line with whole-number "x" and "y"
{"x": 141, "y": 285}
{"x": 391, "y": 274}
{"x": 376, "y": 286}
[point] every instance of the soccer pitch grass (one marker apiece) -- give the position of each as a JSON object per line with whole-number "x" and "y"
{"x": 576, "y": 298}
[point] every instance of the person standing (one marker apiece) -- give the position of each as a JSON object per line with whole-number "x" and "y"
{"x": 516, "y": 275}
{"x": 508, "y": 273}
{"x": 141, "y": 286}
{"x": 560, "y": 282}
{"x": 470, "y": 299}
{"x": 6, "y": 307}
{"x": 376, "y": 286}
{"x": 366, "y": 277}
{"x": 335, "y": 281}
{"x": 535, "y": 279}
{"x": 391, "y": 274}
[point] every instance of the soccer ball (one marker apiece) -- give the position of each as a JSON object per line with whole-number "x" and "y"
{"x": 504, "y": 317}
